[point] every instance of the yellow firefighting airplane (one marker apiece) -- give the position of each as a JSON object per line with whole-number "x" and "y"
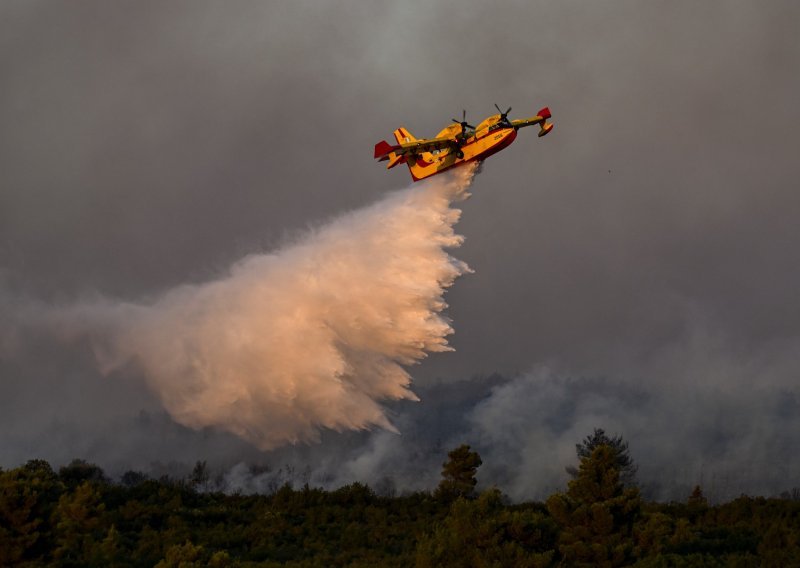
{"x": 457, "y": 144}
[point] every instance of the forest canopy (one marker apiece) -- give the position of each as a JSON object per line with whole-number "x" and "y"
{"x": 77, "y": 516}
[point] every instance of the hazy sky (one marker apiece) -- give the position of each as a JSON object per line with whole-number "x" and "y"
{"x": 651, "y": 238}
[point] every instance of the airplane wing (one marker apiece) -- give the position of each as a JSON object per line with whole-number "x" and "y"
{"x": 540, "y": 119}
{"x": 383, "y": 148}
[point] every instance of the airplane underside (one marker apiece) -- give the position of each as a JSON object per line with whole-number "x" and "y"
{"x": 429, "y": 164}
{"x": 458, "y": 143}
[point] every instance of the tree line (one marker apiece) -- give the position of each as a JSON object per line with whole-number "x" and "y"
{"x": 76, "y": 516}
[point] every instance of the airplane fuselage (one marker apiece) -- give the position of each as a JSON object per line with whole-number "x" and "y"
{"x": 477, "y": 147}
{"x": 457, "y": 144}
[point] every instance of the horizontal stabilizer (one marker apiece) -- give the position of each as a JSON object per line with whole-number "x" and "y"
{"x": 544, "y": 127}
{"x": 394, "y": 159}
{"x": 383, "y": 149}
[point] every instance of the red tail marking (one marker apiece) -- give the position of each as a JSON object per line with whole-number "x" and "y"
{"x": 382, "y": 148}
{"x": 544, "y": 113}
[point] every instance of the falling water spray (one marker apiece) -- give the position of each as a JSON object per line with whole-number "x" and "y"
{"x": 313, "y": 335}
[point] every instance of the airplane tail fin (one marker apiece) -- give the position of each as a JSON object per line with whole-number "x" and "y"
{"x": 385, "y": 151}
{"x": 544, "y": 127}
{"x": 382, "y": 150}
{"x": 403, "y": 136}
{"x": 394, "y": 159}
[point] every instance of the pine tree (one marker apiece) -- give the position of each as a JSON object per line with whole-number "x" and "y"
{"x": 485, "y": 532}
{"x": 697, "y": 500}
{"x": 597, "y": 513}
{"x": 18, "y": 520}
{"x": 458, "y": 474}
{"x": 624, "y": 463}
{"x": 27, "y": 497}
{"x": 185, "y": 555}
{"x": 78, "y": 521}
{"x": 200, "y": 476}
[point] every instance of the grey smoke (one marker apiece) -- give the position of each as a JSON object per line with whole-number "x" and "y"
{"x": 649, "y": 242}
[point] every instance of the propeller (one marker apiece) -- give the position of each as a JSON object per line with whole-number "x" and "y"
{"x": 504, "y": 116}
{"x": 463, "y": 122}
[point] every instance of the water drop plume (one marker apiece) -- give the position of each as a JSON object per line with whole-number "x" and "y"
{"x": 313, "y": 335}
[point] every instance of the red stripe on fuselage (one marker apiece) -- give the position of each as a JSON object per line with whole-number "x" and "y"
{"x": 421, "y": 163}
{"x": 502, "y": 144}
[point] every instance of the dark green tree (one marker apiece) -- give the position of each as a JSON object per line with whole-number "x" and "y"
{"x": 697, "y": 504}
{"x": 597, "y": 513}
{"x": 624, "y": 463}
{"x": 183, "y": 556}
{"x": 200, "y": 476}
{"x": 458, "y": 474}
{"x": 652, "y": 533}
{"x": 19, "y": 522}
{"x": 27, "y": 497}
{"x": 39, "y": 467}
{"x": 78, "y": 525}
{"x": 486, "y": 532}
{"x": 78, "y": 471}
{"x": 697, "y": 499}
{"x": 133, "y": 478}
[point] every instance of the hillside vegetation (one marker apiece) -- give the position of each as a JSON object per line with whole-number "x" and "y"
{"x": 77, "y": 517}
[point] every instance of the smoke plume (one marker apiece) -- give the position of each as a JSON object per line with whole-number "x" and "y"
{"x": 312, "y": 336}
